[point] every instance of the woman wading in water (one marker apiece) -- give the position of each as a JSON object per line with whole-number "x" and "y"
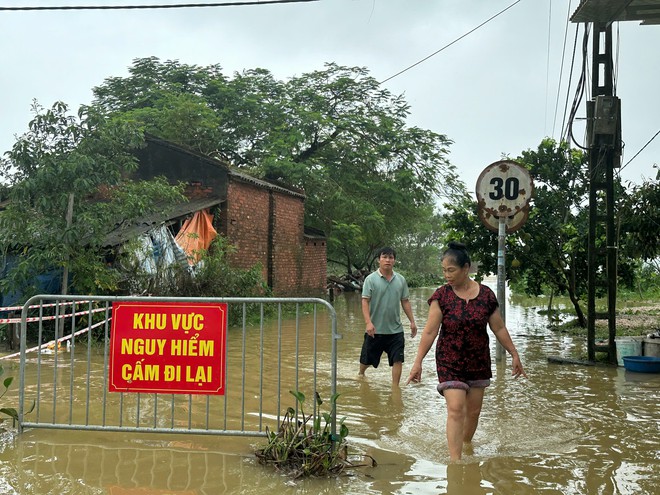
{"x": 459, "y": 311}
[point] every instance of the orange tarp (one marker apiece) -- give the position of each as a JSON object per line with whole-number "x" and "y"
{"x": 196, "y": 235}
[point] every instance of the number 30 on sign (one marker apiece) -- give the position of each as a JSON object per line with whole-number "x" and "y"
{"x": 504, "y": 188}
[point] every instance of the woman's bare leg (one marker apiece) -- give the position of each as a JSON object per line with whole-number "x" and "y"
{"x": 474, "y": 400}
{"x": 456, "y": 407}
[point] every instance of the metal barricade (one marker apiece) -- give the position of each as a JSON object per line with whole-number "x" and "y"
{"x": 278, "y": 345}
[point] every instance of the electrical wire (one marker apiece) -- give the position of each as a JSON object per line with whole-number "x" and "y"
{"x": 561, "y": 68}
{"x": 547, "y": 70}
{"x": 580, "y": 90}
{"x": 641, "y": 149}
{"x": 151, "y": 7}
{"x": 450, "y": 44}
{"x": 615, "y": 62}
{"x": 563, "y": 135}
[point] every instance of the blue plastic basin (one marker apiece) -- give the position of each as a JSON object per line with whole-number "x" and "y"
{"x": 642, "y": 364}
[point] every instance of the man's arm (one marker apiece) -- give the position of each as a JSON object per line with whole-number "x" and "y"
{"x": 407, "y": 309}
{"x": 370, "y": 329}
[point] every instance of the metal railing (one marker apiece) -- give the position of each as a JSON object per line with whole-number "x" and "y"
{"x": 277, "y": 345}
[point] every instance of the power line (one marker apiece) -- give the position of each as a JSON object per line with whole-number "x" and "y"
{"x": 449, "y": 44}
{"x": 562, "y": 136}
{"x": 641, "y": 149}
{"x": 561, "y": 70}
{"x": 580, "y": 90}
{"x": 156, "y": 6}
{"x": 547, "y": 70}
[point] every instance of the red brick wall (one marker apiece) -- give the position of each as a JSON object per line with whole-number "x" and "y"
{"x": 315, "y": 275}
{"x": 298, "y": 264}
{"x": 245, "y": 224}
{"x": 288, "y": 243}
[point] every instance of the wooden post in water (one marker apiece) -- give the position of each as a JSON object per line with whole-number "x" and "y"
{"x": 59, "y": 327}
{"x": 65, "y": 271}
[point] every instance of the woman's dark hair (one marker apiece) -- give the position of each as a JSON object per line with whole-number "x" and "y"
{"x": 458, "y": 253}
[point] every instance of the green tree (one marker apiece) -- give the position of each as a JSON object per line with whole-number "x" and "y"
{"x": 551, "y": 249}
{"x": 81, "y": 161}
{"x": 419, "y": 249}
{"x": 549, "y": 253}
{"x": 335, "y": 133}
{"x": 640, "y": 219}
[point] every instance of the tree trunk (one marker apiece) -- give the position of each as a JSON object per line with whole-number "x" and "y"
{"x": 582, "y": 321}
{"x": 347, "y": 286}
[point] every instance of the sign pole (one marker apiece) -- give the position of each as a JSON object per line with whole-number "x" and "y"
{"x": 504, "y": 190}
{"x": 501, "y": 281}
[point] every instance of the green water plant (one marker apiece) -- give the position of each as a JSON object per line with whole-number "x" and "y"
{"x": 304, "y": 445}
{"x": 6, "y": 411}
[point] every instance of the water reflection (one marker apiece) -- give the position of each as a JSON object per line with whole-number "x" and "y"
{"x": 465, "y": 479}
{"x": 566, "y": 430}
{"x": 382, "y": 408}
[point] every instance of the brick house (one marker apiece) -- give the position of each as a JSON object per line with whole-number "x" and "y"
{"x": 264, "y": 221}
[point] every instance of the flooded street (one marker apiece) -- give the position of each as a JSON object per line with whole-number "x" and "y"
{"x": 567, "y": 429}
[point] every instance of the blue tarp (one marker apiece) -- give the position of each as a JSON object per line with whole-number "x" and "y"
{"x": 47, "y": 283}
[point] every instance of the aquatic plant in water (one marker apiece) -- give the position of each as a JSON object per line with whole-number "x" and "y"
{"x": 303, "y": 446}
{"x": 7, "y": 411}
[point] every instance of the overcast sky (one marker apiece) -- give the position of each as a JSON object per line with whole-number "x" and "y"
{"x": 492, "y": 93}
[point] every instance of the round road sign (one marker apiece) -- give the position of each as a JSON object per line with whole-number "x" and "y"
{"x": 504, "y": 188}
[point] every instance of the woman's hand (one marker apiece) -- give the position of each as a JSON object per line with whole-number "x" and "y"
{"x": 415, "y": 374}
{"x": 517, "y": 367}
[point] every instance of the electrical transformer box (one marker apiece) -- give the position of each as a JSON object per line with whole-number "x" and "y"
{"x": 606, "y": 115}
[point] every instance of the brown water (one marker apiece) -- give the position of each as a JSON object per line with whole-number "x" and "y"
{"x": 566, "y": 430}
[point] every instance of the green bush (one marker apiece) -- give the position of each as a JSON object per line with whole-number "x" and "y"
{"x": 211, "y": 276}
{"x": 414, "y": 279}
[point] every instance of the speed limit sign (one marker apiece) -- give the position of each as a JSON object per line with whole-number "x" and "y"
{"x": 504, "y": 188}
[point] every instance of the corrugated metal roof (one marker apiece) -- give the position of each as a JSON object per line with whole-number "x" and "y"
{"x": 265, "y": 184}
{"x": 647, "y": 12}
{"x": 232, "y": 171}
{"x": 123, "y": 233}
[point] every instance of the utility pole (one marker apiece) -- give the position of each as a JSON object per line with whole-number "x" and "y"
{"x": 604, "y": 143}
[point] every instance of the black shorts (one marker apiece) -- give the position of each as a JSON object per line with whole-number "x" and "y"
{"x": 373, "y": 347}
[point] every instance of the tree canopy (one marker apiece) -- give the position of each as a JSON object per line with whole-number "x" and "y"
{"x": 370, "y": 178}
{"x": 76, "y": 164}
{"x": 335, "y": 133}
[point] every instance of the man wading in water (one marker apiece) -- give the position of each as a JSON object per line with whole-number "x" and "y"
{"x": 382, "y": 292}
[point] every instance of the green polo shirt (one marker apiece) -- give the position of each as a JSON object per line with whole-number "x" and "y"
{"x": 385, "y": 301}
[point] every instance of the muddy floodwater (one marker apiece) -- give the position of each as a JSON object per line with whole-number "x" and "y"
{"x": 567, "y": 429}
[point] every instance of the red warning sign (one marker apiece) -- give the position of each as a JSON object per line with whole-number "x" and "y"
{"x": 164, "y": 347}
